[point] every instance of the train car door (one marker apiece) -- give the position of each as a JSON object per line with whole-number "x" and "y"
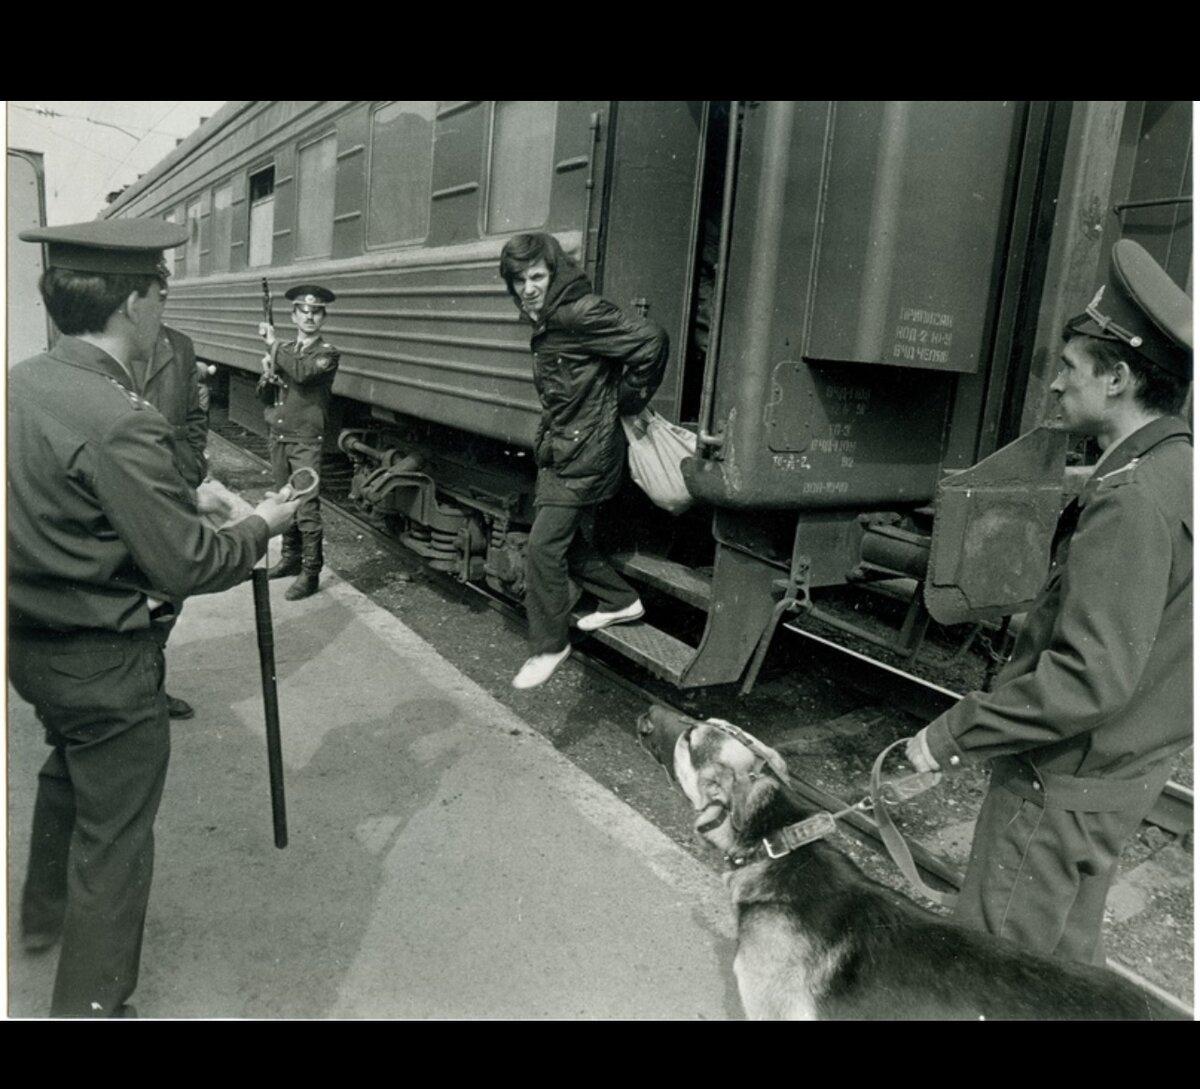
{"x": 1152, "y": 186}
{"x": 653, "y": 226}
{"x": 28, "y": 325}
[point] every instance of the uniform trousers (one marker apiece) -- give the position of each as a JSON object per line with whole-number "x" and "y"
{"x": 288, "y": 455}
{"x": 100, "y": 699}
{"x": 561, "y": 549}
{"x": 1040, "y": 875}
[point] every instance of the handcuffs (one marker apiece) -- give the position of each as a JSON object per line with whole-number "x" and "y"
{"x": 297, "y": 488}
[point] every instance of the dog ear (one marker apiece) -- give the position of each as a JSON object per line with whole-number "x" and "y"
{"x": 749, "y": 799}
{"x": 763, "y": 752}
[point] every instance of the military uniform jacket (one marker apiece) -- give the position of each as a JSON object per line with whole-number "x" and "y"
{"x": 1098, "y": 695}
{"x": 170, "y": 384}
{"x": 98, "y": 514}
{"x": 591, "y": 364}
{"x": 307, "y": 375}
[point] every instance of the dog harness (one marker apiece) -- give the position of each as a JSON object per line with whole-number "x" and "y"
{"x": 823, "y": 824}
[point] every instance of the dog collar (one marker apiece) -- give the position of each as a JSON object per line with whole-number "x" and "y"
{"x": 788, "y": 839}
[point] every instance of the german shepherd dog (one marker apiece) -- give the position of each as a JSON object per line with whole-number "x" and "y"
{"x": 818, "y": 940}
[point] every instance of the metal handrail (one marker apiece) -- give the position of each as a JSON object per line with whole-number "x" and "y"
{"x": 704, "y": 436}
{"x": 1151, "y": 203}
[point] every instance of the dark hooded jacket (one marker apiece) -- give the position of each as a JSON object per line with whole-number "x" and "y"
{"x": 591, "y": 365}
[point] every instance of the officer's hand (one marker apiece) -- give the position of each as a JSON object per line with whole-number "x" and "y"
{"x": 213, "y": 498}
{"x": 277, "y": 512}
{"x": 267, "y": 331}
{"x": 917, "y": 751}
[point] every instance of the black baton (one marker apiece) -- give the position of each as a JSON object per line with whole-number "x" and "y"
{"x": 266, "y": 657}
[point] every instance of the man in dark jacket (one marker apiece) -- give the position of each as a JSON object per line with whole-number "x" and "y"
{"x": 105, "y": 539}
{"x": 591, "y": 365}
{"x": 168, "y": 379}
{"x": 298, "y": 380}
{"x": 1084, "y": 722}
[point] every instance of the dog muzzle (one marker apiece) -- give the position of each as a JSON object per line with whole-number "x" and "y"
{"x": 659, "y": 741}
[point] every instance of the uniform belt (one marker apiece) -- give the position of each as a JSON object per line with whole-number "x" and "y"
{"x": 59, "y": 638}
{"x": 1074, "y": 792}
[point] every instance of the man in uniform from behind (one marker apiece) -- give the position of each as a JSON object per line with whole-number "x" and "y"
{"x": 169, "y": 380}
{"x": 105, "y": 540}
{"x": 298, "y": 382}
{"x": 1084, "y": 722}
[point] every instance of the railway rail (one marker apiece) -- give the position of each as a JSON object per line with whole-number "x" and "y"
{"x": 894, "y": 687}
{"x": 885, "y": 688}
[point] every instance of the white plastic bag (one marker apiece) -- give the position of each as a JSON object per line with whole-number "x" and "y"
{"x": 657, "y": 447}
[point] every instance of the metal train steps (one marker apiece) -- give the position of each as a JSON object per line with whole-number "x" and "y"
{"x": 682, "y": 582}
{"x": 650, "y": 647}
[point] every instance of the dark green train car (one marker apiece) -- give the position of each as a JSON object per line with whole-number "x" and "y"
{"x": 864, "y": 300}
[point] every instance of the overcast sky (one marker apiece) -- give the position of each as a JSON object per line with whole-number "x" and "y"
{"x": 92, "y": 148}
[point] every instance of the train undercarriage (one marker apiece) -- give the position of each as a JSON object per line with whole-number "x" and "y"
{"x": 465, "y": 505}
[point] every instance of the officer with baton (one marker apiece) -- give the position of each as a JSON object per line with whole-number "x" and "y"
{"x": 106, "y": 540}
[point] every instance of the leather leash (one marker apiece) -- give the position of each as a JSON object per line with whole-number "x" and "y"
{"x": 897, "y": 792}
{"x": 822, "y": 824}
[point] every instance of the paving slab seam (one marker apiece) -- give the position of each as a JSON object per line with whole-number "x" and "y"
{"x": 608, "y": 813}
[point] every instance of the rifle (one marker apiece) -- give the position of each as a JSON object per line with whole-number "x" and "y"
{"x": 270, "y": 383}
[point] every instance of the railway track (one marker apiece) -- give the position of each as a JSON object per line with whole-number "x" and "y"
{"x": 881, "y": 684}
{"x": 892, "y": 686}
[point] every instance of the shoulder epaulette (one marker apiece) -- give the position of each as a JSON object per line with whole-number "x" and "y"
{"x": 1122, "y": 475}
{"x": 135, "y": 401}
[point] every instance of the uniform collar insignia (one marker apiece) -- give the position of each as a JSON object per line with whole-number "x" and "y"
{"x": 79, "y": 353}
{"x": 1133, "y": 447}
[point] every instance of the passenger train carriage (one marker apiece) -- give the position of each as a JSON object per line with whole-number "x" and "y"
{"x": 865, "y": 302}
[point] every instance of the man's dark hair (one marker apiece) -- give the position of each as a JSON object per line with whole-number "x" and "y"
{"x": 82, "y": 302}
{"x": 523, "y": 250}
{"x": 1155, "y": 389}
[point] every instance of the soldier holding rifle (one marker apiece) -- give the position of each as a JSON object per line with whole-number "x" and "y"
{"x": 296, "y": 386}
{"x": 106, "y": 539}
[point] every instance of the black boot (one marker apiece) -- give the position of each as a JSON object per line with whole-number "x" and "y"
{"x": 311, "y": 563}
{"x": 289, "y": 558}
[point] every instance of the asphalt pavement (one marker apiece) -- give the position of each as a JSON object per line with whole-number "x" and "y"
{"x": 445, "y": 861}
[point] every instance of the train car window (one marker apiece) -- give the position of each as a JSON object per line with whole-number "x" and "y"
{"x": 222, "y": 227}
{"x": 262, "y": 216}
{"x": 192, "y": 259}
{"x": 178, "y": 254}
{"x": 520, "y": 170}
{"x": 316, "y": 171}
{"x": 401, "y": 173}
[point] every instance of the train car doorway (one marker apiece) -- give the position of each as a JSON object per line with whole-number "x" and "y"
{"x": 29, "y": 327}
{"x": 665, "y": 185}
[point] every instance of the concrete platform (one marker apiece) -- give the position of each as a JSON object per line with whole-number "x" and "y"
{"x": 445, "y": 860}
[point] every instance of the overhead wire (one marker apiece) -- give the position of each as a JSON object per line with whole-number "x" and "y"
{"x": 104, "y": 185}
{"x": 78, "y": 143}
{"x": 40, "y": 111}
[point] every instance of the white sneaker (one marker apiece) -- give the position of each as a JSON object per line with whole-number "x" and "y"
{"x": 598, "y": 620}
{"x": 537, "y": 670}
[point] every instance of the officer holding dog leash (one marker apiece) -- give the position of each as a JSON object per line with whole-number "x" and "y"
{"x": 1084, "y": 722}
